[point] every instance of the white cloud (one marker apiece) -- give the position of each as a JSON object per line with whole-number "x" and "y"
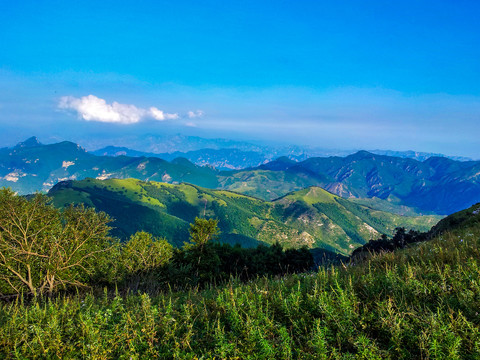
{"x": 191, "y": 124}
{"x": 92, "y": 108}
{"x": 195, "y": 114}
{"x": 160, "y": 115}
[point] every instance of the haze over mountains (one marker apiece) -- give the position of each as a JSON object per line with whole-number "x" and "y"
{"x": 437, "y": 185}
{"x": 226, "y": 154}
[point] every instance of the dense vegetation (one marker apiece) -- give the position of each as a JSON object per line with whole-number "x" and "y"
{"x": 419, "y": 302}
{"x": 402, "y": 238}
{"x": 44, "y": 249}
{"x": 311, "y": 217}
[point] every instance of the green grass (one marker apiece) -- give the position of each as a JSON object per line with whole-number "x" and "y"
{"x": 312, "y": 217}
{"x": 419, "y": 303}
{"x": 264, "y": 184}
{"x": 313, "y": 195}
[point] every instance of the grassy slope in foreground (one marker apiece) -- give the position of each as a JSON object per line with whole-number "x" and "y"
{"x": 311, "y": 217}
{"x": 418, "y": 303}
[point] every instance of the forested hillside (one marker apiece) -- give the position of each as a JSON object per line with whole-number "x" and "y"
{"x": 436, "y": 185}
{"x": 312, "y": 217}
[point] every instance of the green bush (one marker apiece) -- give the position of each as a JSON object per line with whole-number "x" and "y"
{"x": 143, "y": 252}
{"x": 43, "y": 248}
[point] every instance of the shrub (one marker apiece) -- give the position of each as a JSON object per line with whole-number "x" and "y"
{"x": 43, "y": 248}
{"x": 143, "y": 252}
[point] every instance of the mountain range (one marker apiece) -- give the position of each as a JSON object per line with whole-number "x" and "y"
{"x": 221, "y": 159}
{"x": 31, "y": 166}
{"x": 311, "y": 217}
{"x": 437, "y": 185}
{"x": 234, "y": 155}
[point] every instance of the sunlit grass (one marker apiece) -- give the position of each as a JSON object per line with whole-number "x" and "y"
{"x": 422, "y": 302}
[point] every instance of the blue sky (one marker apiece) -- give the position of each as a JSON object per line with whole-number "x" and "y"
{"x": 344, "y": 74}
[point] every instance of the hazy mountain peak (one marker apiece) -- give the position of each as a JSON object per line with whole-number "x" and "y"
{"x": 282, "y": 163}
{"x": 285, "y": 159}
{"x": 68, "y": 146}
{"x": 30, "y": 142}
{"x": 363, "y": 154}
{"x": 182, "y": 161}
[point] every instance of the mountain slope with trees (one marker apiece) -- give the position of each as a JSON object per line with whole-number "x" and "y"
{"x": 415, "y": 303}
{"x": 436, "y": 185}
{"x": 311, "y": 217}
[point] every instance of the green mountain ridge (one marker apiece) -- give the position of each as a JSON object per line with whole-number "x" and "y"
{"x": 437, "y": 185}
{"x": 311, "y": 217}
{"x": 404, "y": 186}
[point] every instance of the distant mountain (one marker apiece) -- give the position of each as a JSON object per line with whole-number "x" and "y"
{"x": 244, "y": 155}
{"x": 420, "y": 156}
{"x": 437, "y": 185}
{"x": 406, "y": 186}
{"x": 31, "y": 166}
{"x": 222, "y": 159}
{"x": 30, "y": 142}
{"x": 123, "y": 151}
{"x": 159, "y": 144}
{"x": 312, "y": 217}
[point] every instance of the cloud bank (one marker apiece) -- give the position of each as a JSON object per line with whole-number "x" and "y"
{"x": 160, "y": 115}
{"x": 92, "y": 108}
{"x": 195, "y": 114}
